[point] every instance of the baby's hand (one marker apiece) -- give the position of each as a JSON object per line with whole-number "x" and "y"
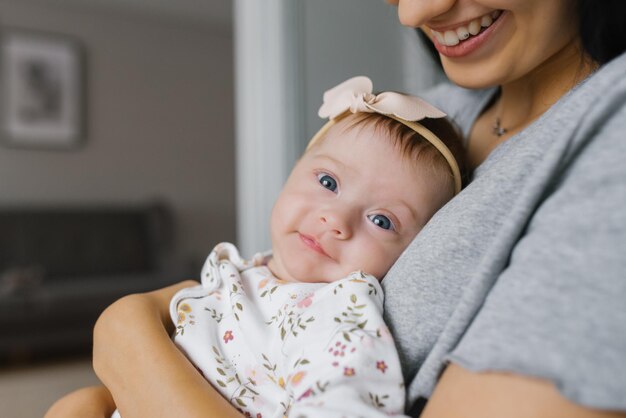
{"x": 90, "y": 402}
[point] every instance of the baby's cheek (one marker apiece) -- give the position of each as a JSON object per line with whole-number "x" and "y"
{"x": 375, "y": 259}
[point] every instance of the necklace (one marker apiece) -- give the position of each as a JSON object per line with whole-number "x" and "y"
{"x": 497, "y": 129}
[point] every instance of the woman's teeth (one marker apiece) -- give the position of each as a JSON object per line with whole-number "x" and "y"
{"x": 453, "y": 37}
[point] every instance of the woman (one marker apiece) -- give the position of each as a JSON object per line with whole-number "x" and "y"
{"x": 510, "y": 301}
{"x": 518, "y": 284}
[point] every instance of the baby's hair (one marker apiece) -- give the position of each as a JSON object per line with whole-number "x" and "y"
{"x": 415, "y": 147}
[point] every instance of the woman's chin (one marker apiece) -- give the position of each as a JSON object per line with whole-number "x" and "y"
{"x": 469, "y": 79}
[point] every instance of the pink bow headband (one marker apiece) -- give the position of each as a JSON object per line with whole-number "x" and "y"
{"x": 355, "y": 96}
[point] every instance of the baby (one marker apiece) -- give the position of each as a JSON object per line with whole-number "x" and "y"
{"x": 299, "y": 331}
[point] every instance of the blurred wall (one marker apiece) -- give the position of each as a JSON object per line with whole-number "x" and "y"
{"x": 159, "y": 122}
{"x": 343, "y": 39}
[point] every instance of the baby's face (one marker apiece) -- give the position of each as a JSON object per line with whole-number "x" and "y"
{"x": 351, "y": 203}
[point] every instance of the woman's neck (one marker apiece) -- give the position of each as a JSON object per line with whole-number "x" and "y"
{"x": 525, "y": 99}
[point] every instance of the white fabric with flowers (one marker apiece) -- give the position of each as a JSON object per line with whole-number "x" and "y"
{"x": 275, "y": 348}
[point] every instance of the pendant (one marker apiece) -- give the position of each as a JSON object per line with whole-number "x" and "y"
{"x": 497, "y": 129}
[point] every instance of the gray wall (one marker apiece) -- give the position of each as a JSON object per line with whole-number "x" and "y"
{"x": 159, "y": 122}
{"x": 346, "y": 38}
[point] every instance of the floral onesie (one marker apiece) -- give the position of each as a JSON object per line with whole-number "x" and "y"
{"x": 283, "y": 349}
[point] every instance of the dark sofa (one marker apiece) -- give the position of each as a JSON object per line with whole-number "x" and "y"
{"x": 60, "y": 267}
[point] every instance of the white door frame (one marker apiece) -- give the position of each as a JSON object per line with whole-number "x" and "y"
{"x": 268, "y": 107}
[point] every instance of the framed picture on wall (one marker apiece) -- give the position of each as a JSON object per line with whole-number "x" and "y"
{"x": 41, "y": 90}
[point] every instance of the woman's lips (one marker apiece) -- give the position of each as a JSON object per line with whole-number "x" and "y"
{"x": 312, "y": 244}
{"x": 471, "y": 44}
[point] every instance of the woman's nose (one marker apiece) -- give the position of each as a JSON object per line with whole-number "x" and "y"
{"x": 415, "y": 13}
{"x": 336, "y": 224}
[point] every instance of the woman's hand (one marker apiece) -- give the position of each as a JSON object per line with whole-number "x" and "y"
{"x": 145, "y": 372}
{"x": 90, "y": 402}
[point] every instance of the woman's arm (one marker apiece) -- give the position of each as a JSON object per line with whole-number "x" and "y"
{"x": 462, "y": 393}
{"x": 140, "y": 365}
{"x": 90, "y": 402}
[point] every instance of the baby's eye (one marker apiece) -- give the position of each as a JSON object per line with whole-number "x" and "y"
{"x": 327, "y": 182}
{"x": 381, "y": 221}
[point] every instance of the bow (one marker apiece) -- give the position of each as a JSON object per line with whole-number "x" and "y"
{"x": 355, "y": 95}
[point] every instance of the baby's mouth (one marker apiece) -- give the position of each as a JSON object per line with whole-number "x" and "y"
{"x": 313, "y": 244}
{"x": 462, "y": 33}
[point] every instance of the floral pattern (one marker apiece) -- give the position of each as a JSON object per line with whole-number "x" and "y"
{"x": 228, "y": 336}
{"x": 240, "y": 390}
{"x": 289, "y": 321}
{"x": 272, "y": 347}
{"x": 184, "y": 318}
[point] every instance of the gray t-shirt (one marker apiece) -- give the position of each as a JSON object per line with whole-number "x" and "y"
{"x": 525, "y": 270}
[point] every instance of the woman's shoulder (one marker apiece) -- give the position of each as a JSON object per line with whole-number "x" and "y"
{"x": 609, "y": 73}
{"x": 595, "y": 100}
{"x": 591, "y": 116}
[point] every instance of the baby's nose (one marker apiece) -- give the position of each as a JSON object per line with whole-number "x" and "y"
{"x": 336, "y": 224}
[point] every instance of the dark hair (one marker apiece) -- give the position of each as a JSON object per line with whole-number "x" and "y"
{"x": 601, "y": 26}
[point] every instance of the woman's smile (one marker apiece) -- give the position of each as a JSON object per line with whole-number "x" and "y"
{"x": 460, "y": 40}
